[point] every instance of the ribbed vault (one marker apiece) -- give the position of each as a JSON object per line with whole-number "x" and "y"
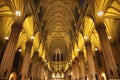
{"x": 55, "y": 24}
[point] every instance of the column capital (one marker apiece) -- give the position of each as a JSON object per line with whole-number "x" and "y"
{"x": 16, "y": 26}
{"x": 76, "y": 60}
{"x": 35, "y": 55}
{"x": 87, "y": 43}
{"x": 81, "y": 53}
{"x": 29, "y": 43}
{"x": 100, "y": 26}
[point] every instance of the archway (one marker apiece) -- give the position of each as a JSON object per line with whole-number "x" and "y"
{"x": 13, "y": 76}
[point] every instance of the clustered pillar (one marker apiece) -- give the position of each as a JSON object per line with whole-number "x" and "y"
{"x": 82, "y": 66}
{"x": 116, "y": 51}
{"x": 90, "y": 59}
{"x": 33, "y": 75}
{"x": 39, "y": 69}
{"x": 107, "y": 52}
{"x": 8, "y": 57}
{"x": 75, "y": 70}
{"x": 26, "y": 60}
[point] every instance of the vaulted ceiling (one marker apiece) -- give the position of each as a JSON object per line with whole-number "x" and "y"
{"x": 59, "y": 24}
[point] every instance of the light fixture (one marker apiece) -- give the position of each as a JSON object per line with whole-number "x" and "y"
{"x": 85, "y": 38}
{"x": 6, "y": 38}
{"x": 18, "y": 13}
{"x": 19, "y": 50}
{"x": 32, "y": 37}
{"x": 45, "y": 61}
{"x": 87, "y": 66}
{"x": 109, "y": 37}
{"x": 100, "y": 13}
{"x": 53, "y": 75}
{"x": 78, "y": 49}
{"x": 38, "y": 50}
{"x": 96, "y": 49}
{"x": 62, "y": 75}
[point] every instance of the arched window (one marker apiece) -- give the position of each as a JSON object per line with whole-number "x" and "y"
{"x": 58, "y": 58}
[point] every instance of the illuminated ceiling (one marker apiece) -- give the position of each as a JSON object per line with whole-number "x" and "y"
{"x": 59, "y": 24}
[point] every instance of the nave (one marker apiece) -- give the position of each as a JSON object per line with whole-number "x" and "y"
{"x": 59, "y": 39}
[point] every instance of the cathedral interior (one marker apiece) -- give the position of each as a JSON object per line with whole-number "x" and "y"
{"x": 59, "y": 39}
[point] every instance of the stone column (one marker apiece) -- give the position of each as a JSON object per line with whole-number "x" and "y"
{"x": 107, "y": 52}
{"x": 90, "y": 59}
{"x": 19, "y": 68}
{"x": 82, "y": 66}
{"x": 26, "y": 60}
{"x": 75, "y": 70}
{"x": 115, "y": 49}
{"x": 39, "y": 69}
{"x": 9, "y": 53}
{"x": 68, "y": 74}
{"x": 34, "y": 65}
{"x": 2, "y": 48}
